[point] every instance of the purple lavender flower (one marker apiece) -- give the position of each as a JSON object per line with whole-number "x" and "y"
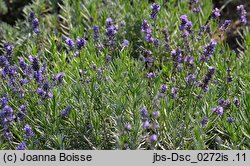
{"x": 241, "y": 9}
{"x": 5, "y": 72}
{"x": 128, "y": 127}
{"x": 3, "y": 101}
{"x": 22, "y": 64}
{"x": 8, "y": 48}
{"x": 156, "y": 101}
{"x": 153, "y": 138}
{"x": 177, "y": 56}
{"x": 243, "y": 20}
{"x": 112, "y": 42}
{"x": 166, "y": 35}
{"x": 48, "y": 95}
{"x": 184, "y": 20}
{"x": 225, "y": 103}
{"x": 28, "y": 132}
{"x": 76, "y": 53}
{"x": 151, "y": 75}
{"x": 5, "y": 126}
{"x": 87, "y": 80}
{"x": 155, "y": 9}
{"x": 125, "y": 43}
{"x": 35, "y": 63}
{"x": 236, "y": 102}
{"x": 12, "y": 83}
{"x": 221, "y": 102}
{"x": 190, "y": 79}
{"x": 149, "y": 38}
{"x": 195, "y": 6}
{"x": 185, "y": 34}
{"x": 164, "y": 88}
{"x": 66, "y": 111}
{"x": 100, "y": 72}
{"x": 21, "y": 146}
{"x": 189, "y": 26}
{"x": 146, "y": 124}
{"x": 204, "y": 121}
{"x": 21, "y": 92}
{"x": 243, "y": 13}
{"x": 156, "y": 43}
{"x": 7, "y": 115}
{"x": 12, "y": 71}
{"x": 230, "y": 119}
{"x": 40, "y": 91}
{"x": 166, "y": 38}
{"x": 81, "y": 42}
{"x": 111, "y": 32}
{"x": 219, "y": 110}
{"x": 216, "y": 13}
{"x": 155, "y": 125}
{"x": 145, "y": 28}
{"x": 108, "y": 22}
{"x": 7, "y": 135}
{"x": 38, "y": 76}
{"x": 189, "y": 60}
{"x": 207, "y": 78}
{"x": 44, "y": 67}
{"x": 31, "y": 15}
{"x": 156, "y": 114}
{"x": 4, "y": 61}
{"x": 174, "y": 92}
{"x": 46, "y": 86}
{"x": 197, "y": 9}
{"x": 21, "y": 112}
{"x": 35, "y": 25}
{"x": 202, "y": 31}
{"x": 59, "y": 77}
{"x": 144, "y": 112}
{"x": 44, "y": 91}
{"x": 186, "y": 25}
{"x": 70, "y": 43}
{"x": 209, "y": 49}
{"x": 96, "y": 32}
{"x": 36, "y": 30}
{"x": 225, "y": 26}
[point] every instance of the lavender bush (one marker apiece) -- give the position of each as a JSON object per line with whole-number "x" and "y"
{"x": 95, "y": 75}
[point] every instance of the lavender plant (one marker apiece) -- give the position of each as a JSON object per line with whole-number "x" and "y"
{"x": 141, "y": 76}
